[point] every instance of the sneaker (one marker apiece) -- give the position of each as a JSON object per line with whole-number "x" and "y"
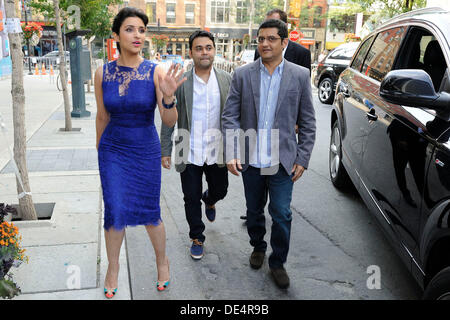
{"x": 281, "y": 277}
{"x": 196, "y": 249}
{"x": 210, "y": 211}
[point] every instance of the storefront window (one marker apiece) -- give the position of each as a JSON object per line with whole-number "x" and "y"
{"x": 222, "y": 47}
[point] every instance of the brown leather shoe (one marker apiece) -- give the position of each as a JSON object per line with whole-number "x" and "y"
{"x": 281, "y": 277}
{"x": 257, "y": 259}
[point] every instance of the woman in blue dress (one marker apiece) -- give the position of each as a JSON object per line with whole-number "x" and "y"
{"x": 127, "y": 92}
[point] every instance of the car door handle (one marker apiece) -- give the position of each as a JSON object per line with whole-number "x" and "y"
{"x": 371, "y": 116}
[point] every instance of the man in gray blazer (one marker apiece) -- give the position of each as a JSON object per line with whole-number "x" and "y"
{"x": 198, "y": 147}
{"x": 267, "y": 99}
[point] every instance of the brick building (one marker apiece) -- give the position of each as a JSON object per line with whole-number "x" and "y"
{"x": 175, "y": 18}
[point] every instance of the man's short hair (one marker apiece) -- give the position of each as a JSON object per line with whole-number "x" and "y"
{"x": 275, "y": 23}
{"x": 282, "y": 14}
{"x": 200, "y": 33}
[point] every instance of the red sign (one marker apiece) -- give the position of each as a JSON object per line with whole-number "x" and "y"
{"x": 111, "y": 49}
{"x": 294, "y": 35}
{"x": 307, "y": 42}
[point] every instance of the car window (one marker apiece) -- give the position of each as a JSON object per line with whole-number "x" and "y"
{"x": 358, "y": 61}
{"x": 381, "y": 56}
{"x": 423, "y": 51}
{"x": 342, "y": 54}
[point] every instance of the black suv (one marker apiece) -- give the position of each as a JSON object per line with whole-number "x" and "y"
{"x": 391, "y": 139}
{"x": 329, "y": 69}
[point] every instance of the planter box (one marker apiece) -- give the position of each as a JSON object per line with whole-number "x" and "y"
{"x": 44, "y": 212}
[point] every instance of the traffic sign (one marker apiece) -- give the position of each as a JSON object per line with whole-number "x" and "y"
{"x": 294, "y": 35}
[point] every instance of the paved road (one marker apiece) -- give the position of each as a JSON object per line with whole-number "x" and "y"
{"x": 333, "y": 242}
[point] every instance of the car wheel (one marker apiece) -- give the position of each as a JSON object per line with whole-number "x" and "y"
{"x": 338, "y": 174}
{"x": 326, "y": 93}
{"x": 439, "y": 286}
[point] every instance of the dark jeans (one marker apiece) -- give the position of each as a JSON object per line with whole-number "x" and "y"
{"x": 191, "y": 183}
{"x": 279, "y": 187}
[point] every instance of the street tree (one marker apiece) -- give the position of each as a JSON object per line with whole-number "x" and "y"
{"x": 26, "y": 206}
{"x": 62, "y": 68}
{"x": 95, "y": 16}
{"x": 389, "y": 8}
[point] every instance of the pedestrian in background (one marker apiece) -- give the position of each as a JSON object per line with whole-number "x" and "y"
{"x": 270, "y": 94}
{"x": 127, "y": 92}
{"x": 200, "y": 104}
{"x": 294, "y": 52}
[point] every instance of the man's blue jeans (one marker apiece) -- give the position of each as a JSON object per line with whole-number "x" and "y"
{"x": 279, "y": 188}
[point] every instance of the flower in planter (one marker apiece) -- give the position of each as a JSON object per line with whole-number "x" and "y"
{"x": 11, "y": 254}
{"x": 160, "y": 41}
{"x": 30, "y": 29}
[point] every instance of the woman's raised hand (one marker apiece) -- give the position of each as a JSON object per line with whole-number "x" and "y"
{"x": 169, "y": 82}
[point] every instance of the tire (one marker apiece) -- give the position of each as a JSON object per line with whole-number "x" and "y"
{"x": 338, "y": 175}
{"x": 439, "y": 286}
{"x": 326, "y": 92}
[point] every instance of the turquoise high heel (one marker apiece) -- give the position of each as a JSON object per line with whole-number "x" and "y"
{"x": 163, "y": 287}
{"x": 110, "y": 293}
{"x": 166, "y": 283}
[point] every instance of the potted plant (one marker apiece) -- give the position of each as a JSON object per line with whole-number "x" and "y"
{"x": 30, "y": 29}
{"x": 160, "y": 41}
{"x": 11, "y": 254}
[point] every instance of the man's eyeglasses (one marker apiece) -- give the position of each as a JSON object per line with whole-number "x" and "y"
{"x": 271, "y": 39}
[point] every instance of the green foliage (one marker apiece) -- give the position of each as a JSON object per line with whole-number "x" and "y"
{"x": 343, "y": 16}
{"x": 389, "y": 8}
{"x": 95, "y": 14}
{"x": 262, "y": 7}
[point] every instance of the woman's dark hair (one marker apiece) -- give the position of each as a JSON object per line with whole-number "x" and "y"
{"x": 200, "y": 33}
{"x": 275, "y": 23}
{"x": 127, "y": 12}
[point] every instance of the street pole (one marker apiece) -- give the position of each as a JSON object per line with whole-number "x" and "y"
{"x": 28, "y": 40}
{"x": 250, "y": 25}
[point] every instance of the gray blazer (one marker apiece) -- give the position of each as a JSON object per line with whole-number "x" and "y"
{"x": 294, "y": 106}
{"x": 185, "y": 98}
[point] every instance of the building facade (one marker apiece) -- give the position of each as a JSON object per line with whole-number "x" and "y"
{"x": 228, "y": 21}
{"x": 177, "y": 19}
{"x": 309, "y": 17}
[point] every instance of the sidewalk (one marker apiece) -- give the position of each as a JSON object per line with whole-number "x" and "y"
{"x": 68, "y": 250}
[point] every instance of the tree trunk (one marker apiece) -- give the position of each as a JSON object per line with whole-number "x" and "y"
{"x": 26, "y": 206}
{"x": 62, "y": 68}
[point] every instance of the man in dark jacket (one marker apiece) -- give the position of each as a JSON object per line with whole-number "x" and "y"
{"x": 294, "y": 52}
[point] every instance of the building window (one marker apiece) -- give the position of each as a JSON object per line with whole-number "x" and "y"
{"x": 190, "y": 14}
{"x": 220, "y": 11}
{"x": 222, "y": 47}
{"x": 170, "y": 13}
{"x": 241, "y": 11}
{"x": 151, "y": 12}
{"x": 318, "y": 17}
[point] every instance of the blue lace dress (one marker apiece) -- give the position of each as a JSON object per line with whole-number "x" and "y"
{"x": 129, "y": 152}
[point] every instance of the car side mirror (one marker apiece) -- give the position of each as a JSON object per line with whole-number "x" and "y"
{"x": 413, "y": 88}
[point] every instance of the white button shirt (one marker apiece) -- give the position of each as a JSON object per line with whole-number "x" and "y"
{"x": 205, "y": 125}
